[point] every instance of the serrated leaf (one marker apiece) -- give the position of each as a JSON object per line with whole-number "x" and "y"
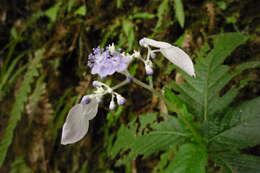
{"x": 241, "y": 163}
{"x": 163, "y": 135}
{"x": 179, "y": 12}
{"x": 242, "y": 124}
{"x": 190, "y": 158}
{"x": 164, "y": 159}
{"x": 202, "y": 93}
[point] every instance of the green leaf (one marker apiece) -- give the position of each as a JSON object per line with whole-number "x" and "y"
{"x": 143, "y": 16}
{"x": 242, "y": 126}
{"x": 202, "y": 93}
{"x": 53, "y": 12}
{"x": 70, "y": 4}
{"x": 109, "y": 32}
{"x": 179, "y": 12}
{"x": 19, "y": 166}
{"x": 82, "y": 11}
{"x": 240, "y": 163}
{"x": 231, "y": 19}
{"x": 164, "y": 159}
{"x": 190, "y": 158}
{"x": 119, "y": 3}
{"x": 163, "y": 135}
{"x": 185, "y": 118}
{"x": 222, "y": 5}
{"x": 128, "y": 29}
{"x": 163, "y": 11}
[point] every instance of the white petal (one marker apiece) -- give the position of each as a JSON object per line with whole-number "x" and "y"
{"x": 159, "y": 44}
{"x": 178, "y": 57}
{"x": 76, "y": 125}
{"x": 90, "y": 110}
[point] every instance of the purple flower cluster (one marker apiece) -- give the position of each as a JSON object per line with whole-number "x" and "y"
{"x": 106, "y": 62}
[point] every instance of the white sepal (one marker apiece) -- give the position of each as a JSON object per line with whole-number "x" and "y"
{"x": 174, "y": 54}
{"x": 75, "y": 126}
{"x": 178, "y": 57}
{"x": 145, "y": 42}
{"x": 77, "y": 121}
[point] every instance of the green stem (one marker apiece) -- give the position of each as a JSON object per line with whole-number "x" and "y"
{"x": 120, "y": 84}
{"x": 180, "y": 114}
{"x": 168, "y": 133}
{"x": 150, "y": 78}
{"x": 144, "y": 85}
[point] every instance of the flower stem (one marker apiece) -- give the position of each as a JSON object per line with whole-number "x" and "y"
{"x": 120, "y": 84}
{"x": 150, "y": 78}
{"x": 144, "y": 85}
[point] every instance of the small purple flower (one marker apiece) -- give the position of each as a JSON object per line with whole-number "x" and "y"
{"x": 148, "y": 67}
{"x": 107, "y": 61}
{"x": 149, "y": 70}
{"x": 120, "y": 100}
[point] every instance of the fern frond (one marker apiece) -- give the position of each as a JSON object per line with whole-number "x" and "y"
{"x": 7, "y": 77}
{"x": 18, "y": 107}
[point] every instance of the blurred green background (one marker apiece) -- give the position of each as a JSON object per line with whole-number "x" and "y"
{"x": 44, "y": 46}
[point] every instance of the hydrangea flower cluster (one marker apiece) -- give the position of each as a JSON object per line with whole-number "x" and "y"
{"x": 105, "y": 62}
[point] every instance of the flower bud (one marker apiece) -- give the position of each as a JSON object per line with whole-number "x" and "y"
{"x": 112, "y": 104}
{"x": 96, "y": 84}
{"x": 148, "y": 69}
{"x": 120, "y": 100}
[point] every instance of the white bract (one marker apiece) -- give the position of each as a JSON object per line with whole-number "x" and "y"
{"x": 77, "y": 121}
{"x": 174, "y": 54}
